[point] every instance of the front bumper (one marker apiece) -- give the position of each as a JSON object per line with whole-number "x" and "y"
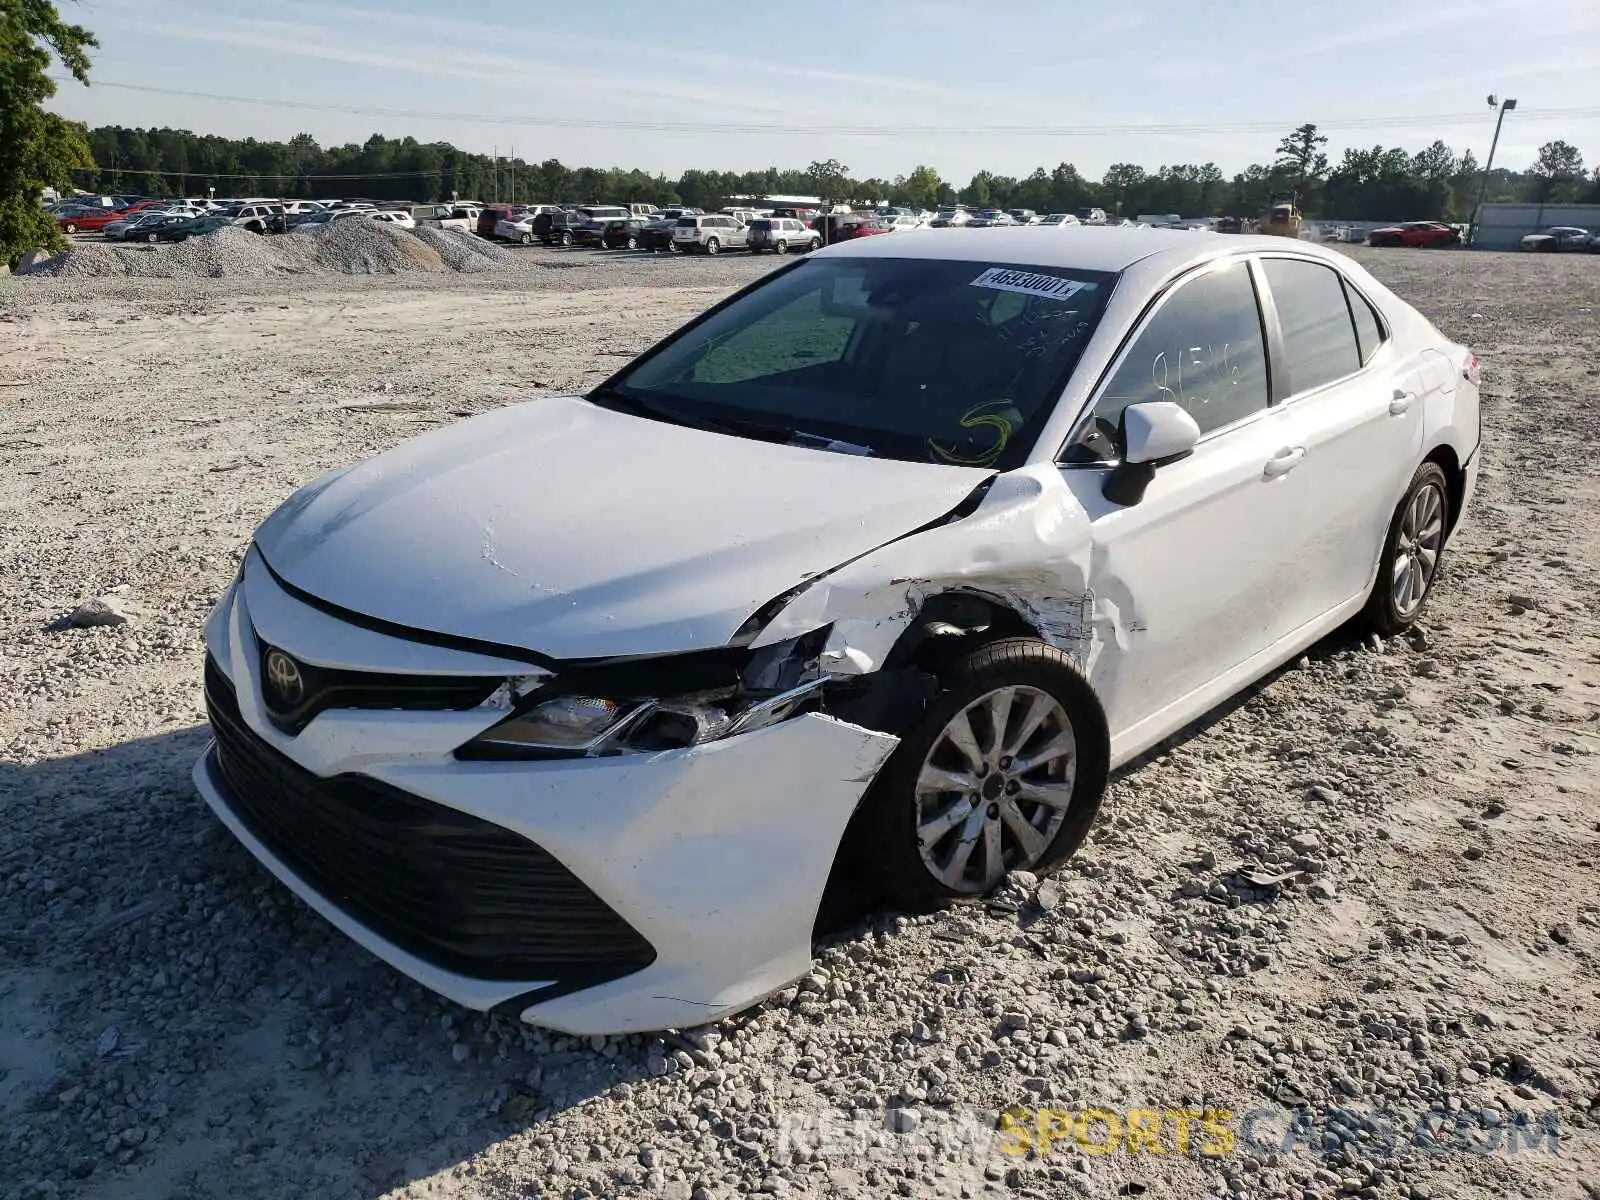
{"x": 600, "y": 895}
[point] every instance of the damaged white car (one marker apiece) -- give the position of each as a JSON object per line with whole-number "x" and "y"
{"x": 872, "y": 572}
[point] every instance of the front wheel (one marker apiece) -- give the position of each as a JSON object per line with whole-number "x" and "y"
{"x": 151, "y": 238}
{"x": 1411, "y": 552}
{"x": 1002, "y": 772}
{"x": 527, "y": 239}
{"x": 814, "y": 244}
{"x": 633, "y": 243}
{"x": 712, "y": 246}
{"x": 71, "y": 228}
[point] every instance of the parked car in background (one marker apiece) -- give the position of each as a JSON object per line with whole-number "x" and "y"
{"x": 844, "y": 227}
{"x": 991, "y": 218}
{"x": 131, "y": 219}
{"x": 394, "y": 216}
{"x": 1555, "y": 239}
{"x": 781, "y": 235}
{"x": 656, "y": 233}
{"x": 622, "y": 233}
{"x": 463, "y": 218}
{"x": 1091, "y": 216}
{"x": 490, "y": 215}
{"x": 567, "y": 802}
{"x": 326, "y": 217}
{"x": 592, "y": 221}
{"x": 1024, "y": 216}
{"x": 898, "y": 222}
{"x": 1060, "y": 219}
{"x": 1418, "y": 234}
{"x": 178, "y": 231}
{"x": 260, "y": 217}
{"x": 147, "y": 223}
{"x": 950, "y": 218}
{"x": 710, "y": 233}
{"x": 556, "y": 228}
{"x": 85, "y": 220}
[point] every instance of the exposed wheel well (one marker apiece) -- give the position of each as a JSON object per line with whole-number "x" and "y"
{"x": 1455, "y": 480}
{"x": 953, "y": 624}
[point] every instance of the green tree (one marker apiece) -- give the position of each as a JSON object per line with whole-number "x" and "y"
{"x": 1301, "y": 158}
{"x": 37, "y": 148}
{"x": 831, "y": 179}
{"x": 920, "y": 189}
{"x": 1557, "y": 173}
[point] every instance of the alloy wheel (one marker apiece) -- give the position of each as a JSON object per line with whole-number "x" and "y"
{"x": 995, "y": 787}
{"x": 1416, "y": 551}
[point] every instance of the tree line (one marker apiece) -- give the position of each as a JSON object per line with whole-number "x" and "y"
{"x": 1377, "y": 183}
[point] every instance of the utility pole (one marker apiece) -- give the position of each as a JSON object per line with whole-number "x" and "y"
{"x": 1483, "y": 187}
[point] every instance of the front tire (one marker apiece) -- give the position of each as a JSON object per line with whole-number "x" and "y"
{"x": 1002, "y": 772}
{"x": 815, "y": 244}
{"x": 1412, "y": 553}
{"x": 633, "y": 243}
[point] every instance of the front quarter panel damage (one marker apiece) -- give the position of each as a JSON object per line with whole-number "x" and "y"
{"x": 1027, "y": 547}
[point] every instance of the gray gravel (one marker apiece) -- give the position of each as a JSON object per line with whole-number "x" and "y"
{"x": 1370, "y": 885}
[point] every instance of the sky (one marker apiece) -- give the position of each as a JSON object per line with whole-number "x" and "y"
{"x": 880, "y": 85}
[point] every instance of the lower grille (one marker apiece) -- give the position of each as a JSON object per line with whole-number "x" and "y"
{"x": 461, "y": 893}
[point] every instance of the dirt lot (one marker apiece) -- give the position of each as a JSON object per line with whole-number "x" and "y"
{"x": 173, "y": 1024}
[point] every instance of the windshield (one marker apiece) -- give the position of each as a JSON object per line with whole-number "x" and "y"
{"x": 926, "y": 360}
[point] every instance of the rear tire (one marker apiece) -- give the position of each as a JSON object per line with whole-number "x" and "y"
{"x": 566, "y": 239}
{"x": 527, "y": 239}
{"x": 1413, "y": 552}
{"x": 908, "y": 821}
{"x": 712, "y": 246}
{"x": 782, "y": 247}
{"x": 633, "y": 243}
{"x": 71, "y": 228}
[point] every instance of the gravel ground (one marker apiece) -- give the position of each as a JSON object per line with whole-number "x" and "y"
{"x": 174, "y": 1024}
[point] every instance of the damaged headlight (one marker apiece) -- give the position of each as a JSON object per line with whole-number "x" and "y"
{"x": 665, "y": 703}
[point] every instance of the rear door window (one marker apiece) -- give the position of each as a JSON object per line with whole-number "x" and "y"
{"x": 1319, "y": 337}
{"x": 1369, "y": 330}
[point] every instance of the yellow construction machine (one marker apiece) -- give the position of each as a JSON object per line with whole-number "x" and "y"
{"x": 1282, "y": 219}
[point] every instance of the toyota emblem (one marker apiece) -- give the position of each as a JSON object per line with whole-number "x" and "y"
{"x": 284, "y": 681}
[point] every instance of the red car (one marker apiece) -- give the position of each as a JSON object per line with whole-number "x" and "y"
{"x": 841, "y": 227}
{"x": 83, "y": 220}
{"x": 1423, "y": 234}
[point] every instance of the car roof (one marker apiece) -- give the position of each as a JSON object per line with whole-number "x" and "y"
{"x": 1083, "y": 247}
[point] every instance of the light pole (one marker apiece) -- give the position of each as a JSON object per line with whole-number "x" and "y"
{"x": 1504, "y": 106}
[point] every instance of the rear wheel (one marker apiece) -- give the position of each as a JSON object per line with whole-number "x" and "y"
{"x": 1003, "y": 772}
{"x": 71, "y": 228}
{"x": 1411, "y": 554}
{"x": 633, "y": 243}
{"x": 712, "y": 246}
{"x": 527, "y": 239}
{"x": 782, "y": 247}
{"x": 150, "y": 237}
{"x": 566, "y": 239}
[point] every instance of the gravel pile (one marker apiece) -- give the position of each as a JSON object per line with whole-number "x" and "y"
{"x": 347, "y": 247}
{"x": 1362, "y": 899}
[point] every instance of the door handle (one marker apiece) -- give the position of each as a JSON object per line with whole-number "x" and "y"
{"x": 1283, "y": 462}
{"x": 1400, "y": 403}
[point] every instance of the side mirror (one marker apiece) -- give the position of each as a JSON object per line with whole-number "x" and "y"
{"x": 1157, "y": 433}
{"x": 1152, "y": 435}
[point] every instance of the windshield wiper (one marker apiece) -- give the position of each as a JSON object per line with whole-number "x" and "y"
{"x": 650, "y": 406}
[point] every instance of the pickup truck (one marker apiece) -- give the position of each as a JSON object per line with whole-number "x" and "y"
{"x": 462, "y": 217}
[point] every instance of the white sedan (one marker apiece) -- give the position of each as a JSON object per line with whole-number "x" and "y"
{"x": 571, "y": 710}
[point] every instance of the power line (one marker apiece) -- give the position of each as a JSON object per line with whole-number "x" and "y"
{"x": 1416, "y": 121}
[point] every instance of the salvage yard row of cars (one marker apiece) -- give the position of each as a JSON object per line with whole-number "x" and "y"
{"x": 869, "y": 575}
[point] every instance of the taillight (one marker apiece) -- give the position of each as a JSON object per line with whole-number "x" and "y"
{"x": 1470, "y": 371}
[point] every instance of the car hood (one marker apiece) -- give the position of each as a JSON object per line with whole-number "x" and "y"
{"x": 574, "y": 531}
